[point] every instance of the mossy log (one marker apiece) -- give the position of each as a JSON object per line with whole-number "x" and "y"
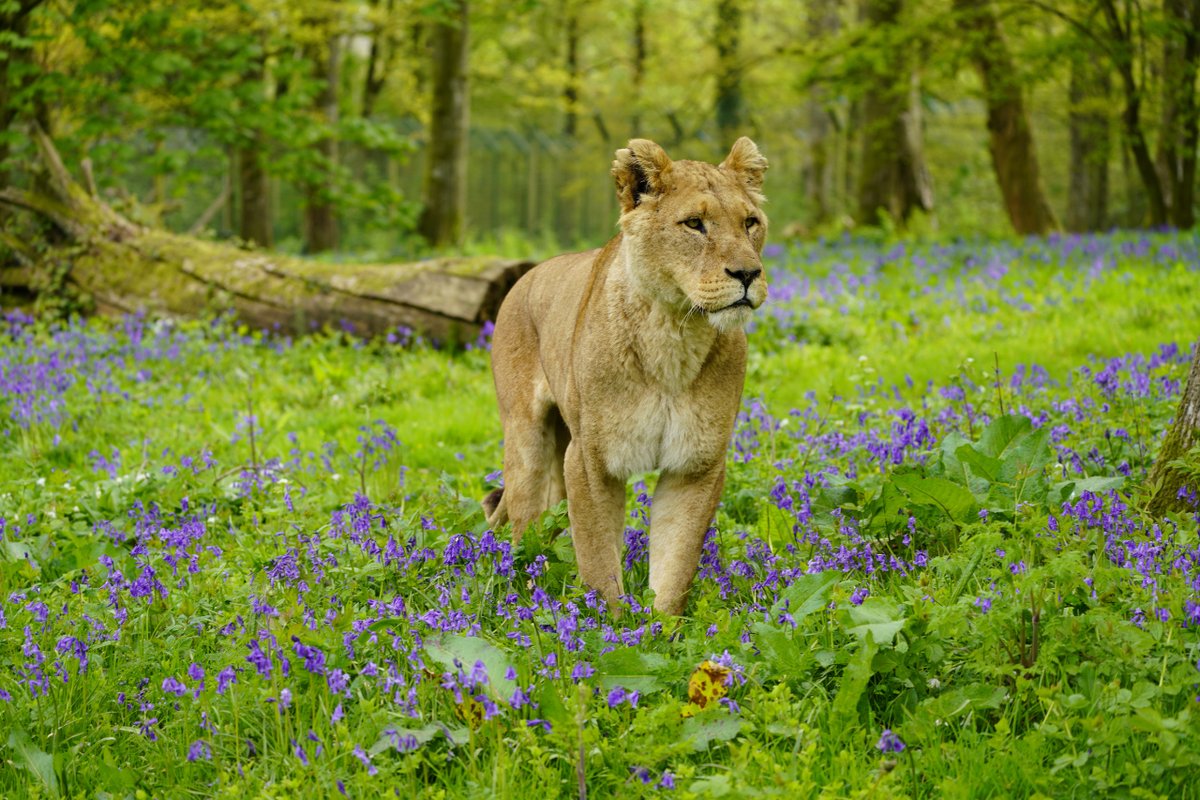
{"x": 123, "y": 267}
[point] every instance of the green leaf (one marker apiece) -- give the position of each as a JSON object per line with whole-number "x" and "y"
{"x": 422, "y": 735}
{"x": 877, "y": 619}
{"x": 1070, "y": 490}
{"x": 707, "y": 728}
{"x": 980, "y": 464}
{"x": 781, "y": 652}
{"x": 844, "y": 710}
{"x": 1002, "y": 435}
{"x": 958, "y": 701}
{"x": 468, "y": 650}
{"x": 954, "y": 501}
{"x": 952, "y": 467}
{"x": 968, "y": 572}
{"x": 631, "y": 669}
{"x": 551, "y": 707}
{"x": 26, "y": 754}
{"x": 1028, "y": 456}
{"x": 807, "y": 594}
{"x": 395, "y": 623}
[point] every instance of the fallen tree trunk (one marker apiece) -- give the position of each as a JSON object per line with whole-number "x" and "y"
{"x": 125, "y": 268}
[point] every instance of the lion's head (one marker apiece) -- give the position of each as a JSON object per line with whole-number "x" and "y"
{"x": 694, "y": 232}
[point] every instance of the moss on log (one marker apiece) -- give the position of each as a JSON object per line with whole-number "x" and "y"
{"x": 124, "y": 267}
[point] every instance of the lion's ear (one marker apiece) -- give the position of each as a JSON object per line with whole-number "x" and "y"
{"x": 639, "y": 170}
{"x": 748, "y": 164}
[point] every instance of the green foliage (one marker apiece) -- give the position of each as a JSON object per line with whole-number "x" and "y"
{"x": 852, "y": 586}
{"x": 161, "y": 97}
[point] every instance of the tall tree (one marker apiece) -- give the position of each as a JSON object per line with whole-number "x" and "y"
{"x": 1178, "y": 131}
{"x": 445, "y": 189}
{"x": 1090, "y": 142}
{"x": 730, "y": 100}
{"x": 320, "y": 213}
{"x": 255, "y": 218}
{"x": 570, "y": 13}
{"x": 380, "y": 55}
{"x": 15, "y": 72}
{"x": 820, "y": 171}
{"x": 1122, "y": 37}
{"x": 1010, "y": 136}
{"x": 639, "y": 67}
{"x": 893, "y": 176}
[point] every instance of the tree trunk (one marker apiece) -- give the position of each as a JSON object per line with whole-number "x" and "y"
{"x": 1087, "y": 203}
{"x": 916, "y": 184}
{"x": 730, "y": 102}
{"x": 639, "y": 66}
{"x": 1014, "y": 156}
{"x": 14, "y": 55}
{"x": 255, "y": 223}
{"x": 1165, "y": 480}
{"x": 821, "y": 170}
{"x": 379, "y": 57}
{"x": 1178, "y": 131}
{"x": 571, "y": 89}
{"x": 320, "y": 214}
{"x": 1120, "y": 33}
{"x": 124, "y": 267}
{"x": 893, "y": 176}
{"x": 445, "y": 192}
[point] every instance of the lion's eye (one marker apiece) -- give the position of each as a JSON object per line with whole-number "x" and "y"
{"x": 751, "y": 222}
{"x": 695, "y": 223}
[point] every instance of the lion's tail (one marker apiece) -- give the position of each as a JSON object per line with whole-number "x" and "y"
{"x": 495, "y": 508}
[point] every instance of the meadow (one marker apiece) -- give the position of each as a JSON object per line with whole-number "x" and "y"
{"x": 235, "y": 564}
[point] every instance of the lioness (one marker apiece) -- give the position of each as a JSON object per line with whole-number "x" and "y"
{"x": 631, "y": 358}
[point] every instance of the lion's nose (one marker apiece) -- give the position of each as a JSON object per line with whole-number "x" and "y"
{"x": 746, "y": 276}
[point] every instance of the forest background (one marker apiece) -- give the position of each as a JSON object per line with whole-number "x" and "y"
{"x": 381, "y": 128}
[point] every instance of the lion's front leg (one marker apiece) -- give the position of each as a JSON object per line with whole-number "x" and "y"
{"x": 596, "y": 507}
{"x": 683, "y": 508}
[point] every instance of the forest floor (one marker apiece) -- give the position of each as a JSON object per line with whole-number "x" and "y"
{"x": 239, "y": 565}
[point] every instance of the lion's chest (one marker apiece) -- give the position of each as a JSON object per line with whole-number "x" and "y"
{"x": 658, "y": 432}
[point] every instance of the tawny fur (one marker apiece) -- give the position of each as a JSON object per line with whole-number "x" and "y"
{"x": 631, "y": 358}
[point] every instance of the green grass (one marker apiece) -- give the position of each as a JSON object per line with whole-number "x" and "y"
{"x": 892, "y": 552}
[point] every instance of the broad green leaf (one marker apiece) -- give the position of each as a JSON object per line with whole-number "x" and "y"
{"x": 1027, "y": 456}
{"x": 968, "y": 571}
{"x": 395, "y": 623}
{"x": 834, "y": 496}
{"x": 1003, "y": 434}
{"x": 551, "y": 707}
{"x": 712, "y": 727}
{"x": 422, "y": 735}
{"x": 808, "y": 593}
{"x": 844, "y": 710}
{"x": 26, "y": 754}
{"x": 1069, "y": 490}
{"x": 782, "y": 653}
{"x": 468, "y": 650}
{"x": 631, "y": 669}
{"x": 951, "y": 466}
{"x": 954, "y": 500}
{"x": 955, "y": 469}
{"x": 958, "y": 701}
{"x": 979, "y": 463}
{"x": 889, "y": 503}
{"x": 877, "y": 619}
